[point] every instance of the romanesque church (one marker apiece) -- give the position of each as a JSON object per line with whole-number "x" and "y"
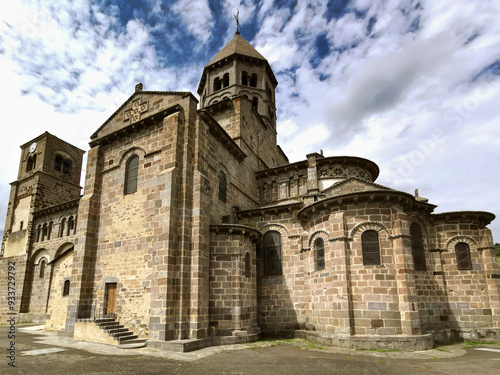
{"x": 193, "y": 229}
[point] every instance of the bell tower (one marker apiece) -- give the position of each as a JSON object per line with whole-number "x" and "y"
{"x": 239, "y": 70}
{"x": 49, "y": 174}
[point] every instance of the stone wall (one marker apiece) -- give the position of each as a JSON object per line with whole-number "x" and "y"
{"x": 233, "y": 282}
{"x": 61, "y": 271}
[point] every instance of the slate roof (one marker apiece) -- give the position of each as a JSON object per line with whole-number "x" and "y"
{"x": 239, "y": 46}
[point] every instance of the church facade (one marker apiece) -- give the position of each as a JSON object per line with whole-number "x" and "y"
{"x": 194, "y": 229}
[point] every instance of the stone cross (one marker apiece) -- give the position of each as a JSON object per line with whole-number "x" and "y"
{"x": 134, "y": 113}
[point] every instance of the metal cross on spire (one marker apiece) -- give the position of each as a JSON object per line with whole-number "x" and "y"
{"x": 236, "y": 17}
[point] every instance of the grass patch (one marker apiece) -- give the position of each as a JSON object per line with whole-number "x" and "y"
{"x": 475, "y": 344}
{"x": 441, "y": 349}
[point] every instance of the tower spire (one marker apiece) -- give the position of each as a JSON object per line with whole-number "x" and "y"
{"x": 236, "y": 17}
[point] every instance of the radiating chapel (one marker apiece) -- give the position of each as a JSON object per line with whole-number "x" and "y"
{"x": 193, "y": 229}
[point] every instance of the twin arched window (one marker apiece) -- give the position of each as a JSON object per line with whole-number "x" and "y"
{"x": 131, "y": 175}
{"x": 272, "y": 253}
{"x": 371, "y": 248}
{"x": 319, "y": 253}
{"x": 417, "y": 247}
{"x": 244, "y": 79}
{"x": 62, "y": 165}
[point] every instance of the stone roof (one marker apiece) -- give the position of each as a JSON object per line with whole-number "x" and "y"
{"x": 239, "y": 46}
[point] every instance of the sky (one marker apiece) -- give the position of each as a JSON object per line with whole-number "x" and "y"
{"x": 412, "y": 85}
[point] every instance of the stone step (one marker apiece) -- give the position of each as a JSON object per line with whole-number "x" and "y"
{"x": 127, "y": 338}
{"x": 132, "y": 344}
{"x": 117, "y": 330}
{"x": 108, "y": 325}
{"x": 122, "y": 334}
{"x": 110, "y": 328}
{"x": 97, "y": 321}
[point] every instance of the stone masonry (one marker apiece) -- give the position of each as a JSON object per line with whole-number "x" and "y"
{"x": 194, "y": 229}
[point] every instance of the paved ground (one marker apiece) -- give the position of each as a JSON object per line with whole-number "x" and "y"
{"x": 68, "y": 356}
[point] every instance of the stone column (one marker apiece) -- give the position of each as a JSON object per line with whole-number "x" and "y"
{"x": 341, "y": 244}
{"x": 403, "y": 262}
{"x": 82, "y": 279}
{"x": 312, "y": 173}
{"x": 490, "y": 268}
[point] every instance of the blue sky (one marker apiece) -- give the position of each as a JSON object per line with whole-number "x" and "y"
{"x": 411, "y": 85}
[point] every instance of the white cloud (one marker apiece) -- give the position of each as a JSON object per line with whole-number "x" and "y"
{"x": 197, "y": 18}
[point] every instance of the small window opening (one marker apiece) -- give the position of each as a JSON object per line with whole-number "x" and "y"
{"x": 319, "y": 250}
{"x": 247, "y": 265}
{"x": 131, "y": 175}
{"x": 371, "y": 248}
{"x": 222, "y": 187}
{"x": 225, "y": 80}
{"x": 61, "y": 227}
{"x": 462, "y": 252}
{"x": 71, "y": 224}
{"x": 31, "y": 163}
{"x": 66, "y": 288}
{"x": 253, "y": 80}
{"x": 42, "y": 269}
{"x": 217, "y": 84}
{"x": 244, "y": 78}
{"x": 58, "y": 163}
{"x": 67, "y": 166}
{"x": 255, "y": 102}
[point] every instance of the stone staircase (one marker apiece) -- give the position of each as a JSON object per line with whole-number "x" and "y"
{"x": 126, "y": 339}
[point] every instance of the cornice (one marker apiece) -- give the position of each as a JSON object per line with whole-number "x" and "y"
{"x": 397, "y": 197}
{"x": 57, "y": 208}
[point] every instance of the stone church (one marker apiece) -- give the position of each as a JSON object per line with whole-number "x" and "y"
{"x": 194, "y": 229}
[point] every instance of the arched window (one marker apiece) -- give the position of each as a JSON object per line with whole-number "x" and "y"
{"x": 319, "y": 253}
{"x": 222, "y": 187}
{"x": 417, "y": 247}
{"x": 66, "y": 288}
{"x": 67, "y": 166}
{"x": 38, "y": 233}
{"x": 462, "y": 251}
{"x": 253, "y": 80}
{"x": 61, "y": 227}
{"x": 71, "y": 226}
{"x": 44, "y": 231}
{"x": 42, "y": 269}
{"x": 272, "y": 253}
{"x": 131, "y": 172}
{"x": 31, "y": 163}
{"x": 248, "y": 265}
{"x": 58, "y": 163}
{"x": 49, "y": 231}
{"x": 217, "y": 84}
{"x": 225, "y": 80}
{"x": 244, "y": 78}
{"x": 255, "y": 102}
{"x": 371, "y": 248}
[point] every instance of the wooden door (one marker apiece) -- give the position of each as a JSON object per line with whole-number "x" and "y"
{"x": 110, "y": 299}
